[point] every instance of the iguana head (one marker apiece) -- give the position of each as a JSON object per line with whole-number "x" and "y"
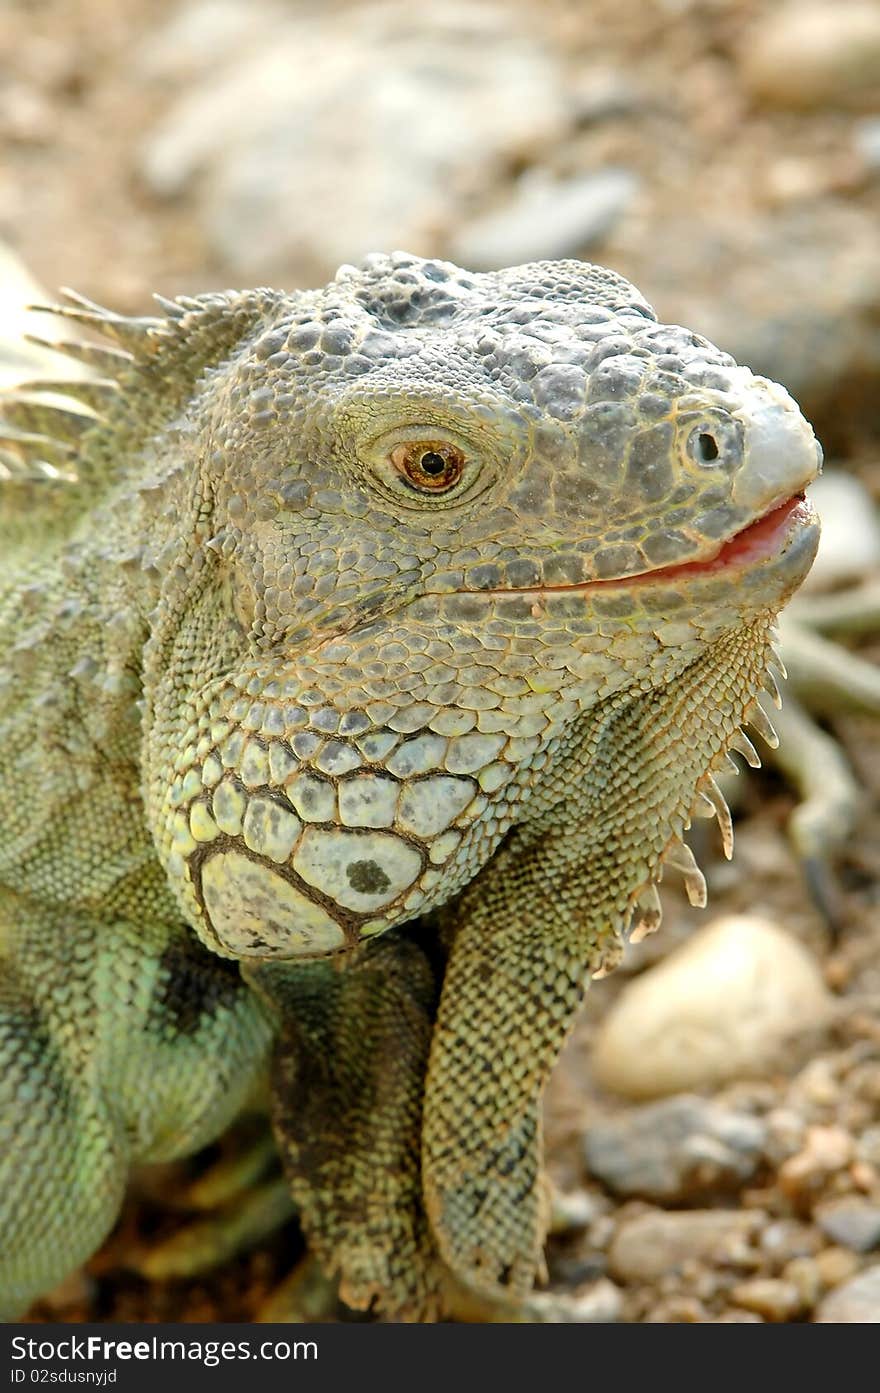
{"x": 422, "y": 521}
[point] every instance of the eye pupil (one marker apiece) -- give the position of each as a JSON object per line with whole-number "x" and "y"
{"x": 432, "y": 463}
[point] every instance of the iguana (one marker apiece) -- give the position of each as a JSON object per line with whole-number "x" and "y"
{"x": 366, "y": 652}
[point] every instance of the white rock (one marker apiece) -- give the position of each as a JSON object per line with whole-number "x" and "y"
{"x": 857, "y": 1302}
{"x": 602, "y": 1302}
{"x": 849, "y": 548}
{"x": 718, "y": 1008}
{"x": 348, "y": 132}
{"x": 203, "y": 33}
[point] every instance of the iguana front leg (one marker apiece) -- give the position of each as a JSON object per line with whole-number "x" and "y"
{"x": 549, "y": 909}
{"x": 347, "y": 1083}
{"x": 514, "y": 982}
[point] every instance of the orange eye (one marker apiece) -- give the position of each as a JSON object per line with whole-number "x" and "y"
{"x": 433, "y": 466}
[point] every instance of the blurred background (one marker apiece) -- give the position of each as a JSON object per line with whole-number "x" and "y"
{"x": 725, "y": 156}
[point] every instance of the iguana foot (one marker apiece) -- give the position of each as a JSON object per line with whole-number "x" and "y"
{"x": 816, "y": 765}
{"x": 825, "y": 679}
{"x": 307, "y": 1294}
{"x": 209, "y": 1241}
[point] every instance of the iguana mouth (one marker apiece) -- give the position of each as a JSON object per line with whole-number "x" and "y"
{"x": 761, "y": 540}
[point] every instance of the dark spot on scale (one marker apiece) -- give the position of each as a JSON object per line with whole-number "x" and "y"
{"x": 367, "y": 878}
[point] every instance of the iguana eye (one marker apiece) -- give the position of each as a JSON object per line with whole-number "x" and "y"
{"x": 432, "y": 466}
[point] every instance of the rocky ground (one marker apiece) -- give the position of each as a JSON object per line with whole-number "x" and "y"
{"x": 714, "y": 1127}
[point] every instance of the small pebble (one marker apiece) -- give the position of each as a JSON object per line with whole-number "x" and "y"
{"x": 851, "y": 1221}
{"x": 575, "y": 1209}
{"x": 786, "y": 1132}
{"x": 817, "y": 1083}
{"x": 769, "y": 1297}
{"x": 786, "y": 1239}
{"x": 868, "y": 1146}
{"x": 812, "y": 54}
{"x": 803, "y": 1176}
{"x": 650, "y": 1245}
{"x": 865, "y": 1176}
{"x": 805, "y": 1275}
{"x": 677, "y": 1310}
{"x": 866, "y": 138}
{"x": 836, "y": 1265}
{"x": 856, "y": 1302}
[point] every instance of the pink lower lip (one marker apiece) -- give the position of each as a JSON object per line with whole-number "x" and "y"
{"x": 757, "y": 542}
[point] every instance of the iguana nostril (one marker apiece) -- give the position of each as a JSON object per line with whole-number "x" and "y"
{"x": 703, "y": 447}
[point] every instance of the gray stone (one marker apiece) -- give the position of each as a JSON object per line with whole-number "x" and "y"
{"x": 545, "y": 218}
{"x": 675, "y": 1149}
{"x": 651, "y": 1245}
{"x": 852, "y": 1221}
{"x": 856, "y": 1302}
{"x": 866, "y": 138}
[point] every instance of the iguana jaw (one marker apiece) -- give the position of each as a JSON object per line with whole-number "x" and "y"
{"x": 761, "y": 541}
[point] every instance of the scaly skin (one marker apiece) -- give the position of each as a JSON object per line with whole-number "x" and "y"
{"x": 419, "y": 600}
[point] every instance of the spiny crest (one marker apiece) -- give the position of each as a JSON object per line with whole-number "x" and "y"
{"x": 39, "y": 455}
{"x": 709, "y": 801}
{"x": 136, "y": 336}
{"x": 101, "y": 359}
{"x": 679, "y": 855}
{"x": 195, "y": 330}
{"x": 138, "y": 380}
